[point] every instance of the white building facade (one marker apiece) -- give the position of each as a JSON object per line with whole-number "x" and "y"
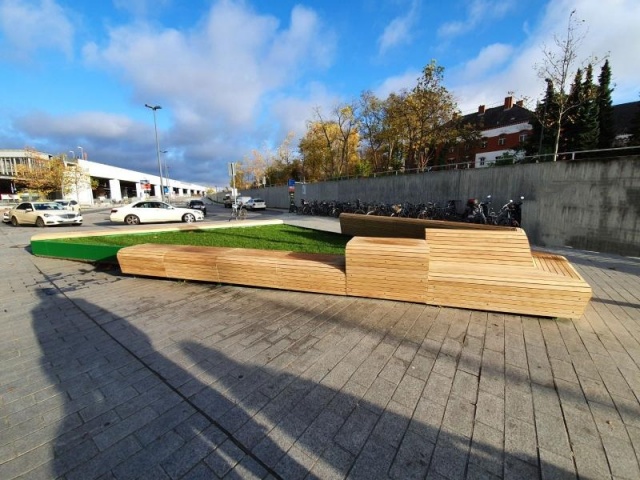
{"x": 113, "y": 183}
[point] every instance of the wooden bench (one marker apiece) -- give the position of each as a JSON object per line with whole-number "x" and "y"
{"x": 358, "y": 225}
{"x": 475, "y": 269}
{"x": 467, "y": 270}
{"x": 391, "y": 268}
{"x": 319, "y": 273}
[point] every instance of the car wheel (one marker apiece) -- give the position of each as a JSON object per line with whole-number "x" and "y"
{"x": 14, "y": 221}
{"x": 189, "y": 218}
{"x": 131, "y": 220}
{"x": 39, "y": 222}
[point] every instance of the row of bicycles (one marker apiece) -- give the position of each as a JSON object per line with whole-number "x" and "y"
{"x": 474, "y": 211}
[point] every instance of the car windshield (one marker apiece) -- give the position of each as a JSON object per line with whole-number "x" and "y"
{"x": 47, "y": 206}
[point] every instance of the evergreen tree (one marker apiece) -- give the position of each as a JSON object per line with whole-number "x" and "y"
{"x": 587, "y": 124}
{"x": 541, "y": 141}
{"x": 605, "y": 108}
{"x": 571, "y": 122}
{"x": 635, "y": 128}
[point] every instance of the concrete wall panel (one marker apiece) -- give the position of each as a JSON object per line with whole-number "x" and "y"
{"x": 592, "y": 205}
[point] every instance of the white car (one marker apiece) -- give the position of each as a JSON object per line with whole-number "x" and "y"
{"x": 42, "y": 214}
{"x": 152, "y": 211}
{"x": 69, "y": 204}
{"x": 255, "y": 204}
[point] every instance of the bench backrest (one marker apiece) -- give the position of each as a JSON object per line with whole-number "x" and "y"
{"x": 358, "y": 225}
{"x": 479, "y": 246}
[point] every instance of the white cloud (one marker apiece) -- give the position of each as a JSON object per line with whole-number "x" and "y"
{"x": 489, "y": 59}
{"x": 399, "y": 31}
{"x": 222, "y": 70}
{"x": 477, "y": 12}
{"x": 29, "y": 26}
{"x": 397, "y": 83}
{"x": 611, "y": 30}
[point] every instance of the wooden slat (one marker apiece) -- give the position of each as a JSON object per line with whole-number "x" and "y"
{"x": 144, "y": 259}
{"x": 358, "y": 225}
{"x": 391, "y": 268}
{"x": 484, "y": 247}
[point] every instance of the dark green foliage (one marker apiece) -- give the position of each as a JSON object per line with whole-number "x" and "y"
{"x": 569, "y": 141}
{"x": 635, "y": 128}
{"x": 541, "y": 141}
{"x": 605, "y": 108}
{"x": 588, "y": 130}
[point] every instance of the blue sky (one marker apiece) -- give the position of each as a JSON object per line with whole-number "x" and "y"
{"x": 237, "y": 76}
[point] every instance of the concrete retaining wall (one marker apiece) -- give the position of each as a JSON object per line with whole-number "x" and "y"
{"x": 590, "y": 205}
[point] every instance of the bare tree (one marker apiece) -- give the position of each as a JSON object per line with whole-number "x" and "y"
{"x": 557, "y": 67}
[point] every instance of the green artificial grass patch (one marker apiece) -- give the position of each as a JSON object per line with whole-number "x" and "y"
{"x": 268, "y": 237}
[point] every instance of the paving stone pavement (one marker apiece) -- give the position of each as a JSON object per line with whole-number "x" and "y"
{"x": 108, "y": 376}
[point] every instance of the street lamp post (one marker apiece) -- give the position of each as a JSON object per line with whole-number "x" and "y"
{"x": 166, "y": 174}
{"x": 155, "y": 127}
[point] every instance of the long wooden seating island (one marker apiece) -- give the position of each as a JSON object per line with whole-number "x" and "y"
{"x": 482, "y": 269}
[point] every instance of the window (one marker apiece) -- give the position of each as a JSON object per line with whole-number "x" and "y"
{"x": 523, "y": 137}
{"x": 502, "y": 140}
{"x": 483, "y": 144}
{"x": 482, "y": 159}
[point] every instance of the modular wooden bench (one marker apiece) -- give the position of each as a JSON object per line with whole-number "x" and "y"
{"x": 318, "y": 273}
{"x": 358, "y": 225}
{"x": 475, "y": 269}
{"x": 497, "y": 271}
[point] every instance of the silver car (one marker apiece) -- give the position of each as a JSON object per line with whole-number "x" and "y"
{"x": 42, "y": 214}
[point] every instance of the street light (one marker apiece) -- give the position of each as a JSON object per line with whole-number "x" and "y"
{"x": 155, "y": 126}
{"x": 166, "y": 174}
{"x": 81, "y": 153}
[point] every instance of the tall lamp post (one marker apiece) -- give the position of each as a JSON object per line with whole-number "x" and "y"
{"x": 155, "y": 127}
{"x": 166, "y": 174}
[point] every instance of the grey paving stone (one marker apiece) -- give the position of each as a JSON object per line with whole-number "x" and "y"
{"x": 356, "y": 430}
{"x": 465, "y": 385}
{"x": 224, "y": 458}
{"x": 556, "y": 467}
{"x": 520, "y": 440}
{"x": 516, "y": 469}
{"x": 412, "y": 458}
{"x": 450, "y": 457}
{"x": 490, "y": 411}
{"x": 487, "y": 449}
{"x": 335, "y": 463}
{"x": 374, "y": 461}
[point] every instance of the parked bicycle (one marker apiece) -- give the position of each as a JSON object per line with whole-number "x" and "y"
{"x": 238, "y": 212}
{"x": 510, "y": 214}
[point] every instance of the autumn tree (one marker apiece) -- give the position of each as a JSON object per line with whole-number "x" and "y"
{"x": 37, "y": 174}
{"x": 329, "y": 149}
{"x": 425, "y": 118}
{"x": 377, "y": 149}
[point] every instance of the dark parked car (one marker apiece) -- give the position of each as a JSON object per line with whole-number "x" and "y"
{"x": 197, "y": 205}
